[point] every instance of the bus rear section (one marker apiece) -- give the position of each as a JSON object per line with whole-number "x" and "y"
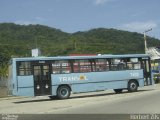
{"x": 59, "y": 76}
{"x": 31, "y": 78}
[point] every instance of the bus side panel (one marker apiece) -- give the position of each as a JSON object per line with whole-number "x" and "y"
{"x": 152, "y": 80}
{"x": 92, "y": 81}
{"x": 54, "y": 90}
{"x": 25, "y": 85}
{"x": 100, "y": 81}
{"x": 141, "y": 82}
{"x": 25, "y": 81}
{"x": 14, "y": 78}
{"x": 98, "y": 86}
{"x": 25, "y": 91}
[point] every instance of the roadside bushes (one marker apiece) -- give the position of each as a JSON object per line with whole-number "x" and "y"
{"x": 156, "y": 78}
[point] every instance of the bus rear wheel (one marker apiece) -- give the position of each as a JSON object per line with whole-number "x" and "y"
{"x": 132, "y": 86}
{"x": 118, "y": 91}
{"x": 63, "y": 92}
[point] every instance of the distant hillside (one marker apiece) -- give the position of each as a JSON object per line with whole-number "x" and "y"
{"x": 18, "y": 40}
{"x": 113, "y": 41}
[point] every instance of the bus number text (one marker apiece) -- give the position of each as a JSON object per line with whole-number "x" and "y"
{"x": 134, "y": 74}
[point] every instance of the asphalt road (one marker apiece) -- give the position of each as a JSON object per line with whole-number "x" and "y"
{"x": 140, "y": 104}
{"x": 145, "y": 101}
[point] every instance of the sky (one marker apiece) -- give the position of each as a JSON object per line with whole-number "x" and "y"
{"x": 82, "y": 15}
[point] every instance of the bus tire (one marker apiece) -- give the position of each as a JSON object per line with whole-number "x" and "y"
{"x": 118, "y": 91}
{"x": 63, "y": 92}
{"x": 132, "y": 86}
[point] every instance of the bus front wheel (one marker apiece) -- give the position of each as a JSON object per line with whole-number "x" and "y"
{"x": 132, "y": 86}
{"x": 63, "y": 92}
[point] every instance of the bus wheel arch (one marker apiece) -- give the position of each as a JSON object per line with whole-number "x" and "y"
{"x": 63, "y": 91}
{"x": 133, "y": 85}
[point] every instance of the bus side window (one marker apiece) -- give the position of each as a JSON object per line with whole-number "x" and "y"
{"x": 102, "y": 65}
{"x": 129, "y": 66}
{"x": 121, "y": 66}
{"x": 76, "y": 66}
{"x": 137, "y": 65}
{"x": 24, "y": 68}
{"x": 61, "y": 67}
{"x": 56, "y": 67}
{"x": 82, "y": 66}
{"x": 85, "y": 65}
{"x": 65, "y": 66}
{"x": 114, "y": 64}
{"x": 133, "y": 64}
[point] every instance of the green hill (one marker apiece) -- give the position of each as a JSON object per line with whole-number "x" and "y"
{"x": 113, "y": 41}
{"x": 18, "y": 40}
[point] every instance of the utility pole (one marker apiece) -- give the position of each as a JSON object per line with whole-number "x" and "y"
{"x": 145, "y": 40}
{"x": 36, "y": 44}
{"x": 75, "y": 44}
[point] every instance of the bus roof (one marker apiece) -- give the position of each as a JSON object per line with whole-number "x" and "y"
{"x": 80, "y": 57}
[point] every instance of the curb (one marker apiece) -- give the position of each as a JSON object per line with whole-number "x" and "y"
{"x": 20, "y": 97}
{"x": 12, "y": 97}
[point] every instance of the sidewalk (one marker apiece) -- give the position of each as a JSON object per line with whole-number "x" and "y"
{"x": 12, "y": 97}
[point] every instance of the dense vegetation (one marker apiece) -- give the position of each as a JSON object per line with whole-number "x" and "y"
{"x": 18, "y": 40}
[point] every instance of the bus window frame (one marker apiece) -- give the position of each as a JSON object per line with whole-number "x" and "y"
{"x": 25, "y": 69}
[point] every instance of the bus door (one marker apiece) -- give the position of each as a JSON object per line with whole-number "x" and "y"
{"x": 42, "y": 79}
{"x": 145, "y": 63}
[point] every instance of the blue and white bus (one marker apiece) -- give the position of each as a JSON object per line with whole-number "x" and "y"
{"x": 59, "y": 76}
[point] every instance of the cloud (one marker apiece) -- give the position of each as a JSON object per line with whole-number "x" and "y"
{"x": 99, "y": 2}
{"x": 35, "y": 20}
{"x": 139, "y": 26}
{"x": 138, "y": 14}
{"x": 40, "y": 19}
{"x": 21, "y": 22}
